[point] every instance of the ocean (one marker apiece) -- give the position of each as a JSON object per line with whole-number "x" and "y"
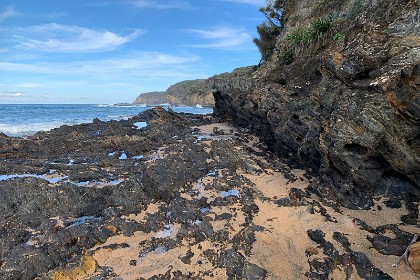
{"x": 27, "y": 119}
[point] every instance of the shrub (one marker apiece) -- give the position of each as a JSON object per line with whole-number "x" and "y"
{"x": 288, "y": 56}
{"x": 321, "y": 25}
{"x": 338, "y": 36}
{"x": 267, "y": 41}
{"x": 300, "y": 37}
{"x": 307, "y": 35}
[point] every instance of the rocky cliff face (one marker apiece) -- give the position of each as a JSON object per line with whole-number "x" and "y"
{"x": 193, "y": 92}
{"x": 188, "y": 93}
{"x": 344, "y": 101}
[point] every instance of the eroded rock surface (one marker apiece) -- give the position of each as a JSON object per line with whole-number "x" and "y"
{"x": 344, "y": 105}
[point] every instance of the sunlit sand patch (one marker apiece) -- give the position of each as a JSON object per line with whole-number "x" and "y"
{"x": 234, "y": 224}
{"x": 285, "y": 239}
{"x": 207, "y": 132}
{"x": 158, "y": 261}
{"x": 119, "y": 259}
{"x": 273, "y": 184}
{"x": 152, "y": 208}
{"x": 201, "y": 189}
{"x": 378, "y": 217}
{"x": 169, "y": 230}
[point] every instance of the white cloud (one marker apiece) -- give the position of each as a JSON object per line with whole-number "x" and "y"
{"x": 7, "y": 13}
{"x": 69, "y": 39}
{"x": 223, "y": 38}
{"x": 161, "y": 4}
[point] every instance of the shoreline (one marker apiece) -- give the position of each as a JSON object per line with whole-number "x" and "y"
{"x": 29, "y": 119}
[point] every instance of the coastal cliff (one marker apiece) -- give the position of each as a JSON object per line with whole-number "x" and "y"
{"x": 340, "y": 96}
{"x": 193, "y": 92}
{"x": 190, "y": 93}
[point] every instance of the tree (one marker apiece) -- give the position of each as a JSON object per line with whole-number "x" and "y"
{"x": 273, "y": 11}
{"x": 270, "y": 29}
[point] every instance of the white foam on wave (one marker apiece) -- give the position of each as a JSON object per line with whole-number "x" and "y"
{"x": 27, "y": 129}
{"x": 24, "y": 127}
{"x": 19, "y": 130}
{"x": 122, "y": 105}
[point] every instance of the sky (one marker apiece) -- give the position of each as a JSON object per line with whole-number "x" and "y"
{"x": 110, "y": 51}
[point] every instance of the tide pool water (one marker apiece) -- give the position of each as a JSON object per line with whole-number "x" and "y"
{"x": 27, "y": 119}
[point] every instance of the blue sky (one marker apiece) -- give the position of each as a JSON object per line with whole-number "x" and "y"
{"x": 109, "y": 51}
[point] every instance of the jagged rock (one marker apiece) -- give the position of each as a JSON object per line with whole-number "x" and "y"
{"x": 414, "y": 257}
{"x": 345, "y": 109}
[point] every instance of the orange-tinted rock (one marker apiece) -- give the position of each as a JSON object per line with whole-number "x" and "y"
{"x": 414, "y": 257}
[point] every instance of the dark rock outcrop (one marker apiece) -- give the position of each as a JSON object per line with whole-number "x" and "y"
{"x": 347, "y": 107}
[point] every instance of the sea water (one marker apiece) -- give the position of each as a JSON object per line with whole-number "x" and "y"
{"x": 27, "y": 119}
